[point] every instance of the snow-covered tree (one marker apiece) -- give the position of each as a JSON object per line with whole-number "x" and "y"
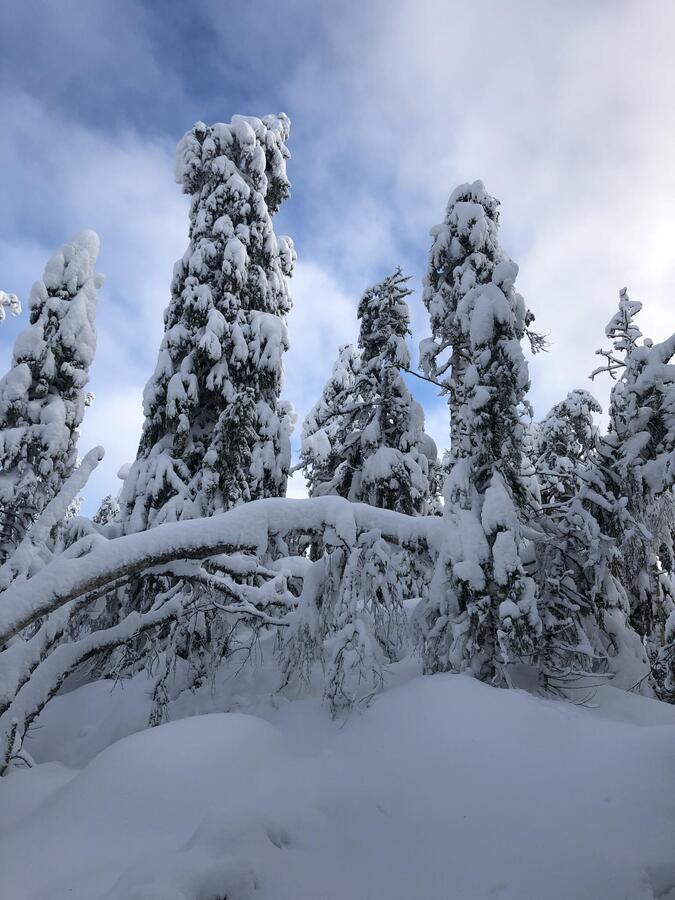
{"x": 393, "y": 469}
{"x": 638, "y": 453}
{"x": 215, "y": 432}
{"x": 107, "y": 511}
{"x": 326, "y": 423}
{"x": 365, "y": 439}
{"x": 642, "y": 406}
{"x": 564, "y": 441}
{"x": 226, "y": 556}
{"x": 42, "y": 397}
{"x": 482, "y": 611}
{"x": 576, "y": 554}
{"x": 350, "y": 620}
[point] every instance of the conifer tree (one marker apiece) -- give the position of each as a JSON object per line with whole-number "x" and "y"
{"x": 365, "y": 440}
{"x": 215, "y": 432}
{"x": 638, "y": 453}
{"x": 107, "y": 511}
{"x": 482, "y": 611}
{"x": 372, "y": 448}
{"x": 576, "y": 581}
{"x": 324, "y": 426}
{"x": 42, "y": 397}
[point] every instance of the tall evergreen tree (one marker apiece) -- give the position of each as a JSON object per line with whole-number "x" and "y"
{"x": 482, "y": 611}
{"x": 371, "y": 447}
{"x": 42, "y": 397}
{"x": 215, "y": 431}
{"x": 576, "y": 555}
{"x": 364, "y": 440}
{"x": 638, "y": 453}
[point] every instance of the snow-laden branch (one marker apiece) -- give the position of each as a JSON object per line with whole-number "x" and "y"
{"x": 33, "y": 668}
{"x": 37, "y": 537}
{"x": 11, "y": 302}
{"x": 248, "y": 527}
{"x": 50, "y": 674}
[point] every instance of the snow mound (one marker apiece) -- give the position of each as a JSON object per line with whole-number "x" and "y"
{"x": 442, "y": 788}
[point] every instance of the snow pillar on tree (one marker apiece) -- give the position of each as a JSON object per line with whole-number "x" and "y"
{"x": 482, "y": 612}
{"x": 216, "y": 433}
{"x": 42, "y": 397}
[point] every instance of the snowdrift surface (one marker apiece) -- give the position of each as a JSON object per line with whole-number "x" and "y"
{"x": 444, "y": 788}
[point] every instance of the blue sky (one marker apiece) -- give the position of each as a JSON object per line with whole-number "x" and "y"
{"x": 565, "y": 110}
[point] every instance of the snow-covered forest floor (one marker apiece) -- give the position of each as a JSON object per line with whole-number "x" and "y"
{"x": 442, "y": 788}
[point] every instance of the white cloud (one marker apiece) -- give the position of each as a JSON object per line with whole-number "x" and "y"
{"x": 564, "y": 110}
{"x": 323, "y": 318}
{"x": 114, "y": 422}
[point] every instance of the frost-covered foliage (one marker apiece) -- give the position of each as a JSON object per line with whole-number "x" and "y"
{"x": 11, "y": 302}
{"x": 327, "y": 422}
{"x": 42, "y": 397}
{"x": 107, "y": 511}
{"x": 227, "y": 559}
{"x": 576, "y": 551}
{"x": 365, "y": 439}
{"x": 638, "y": 452}
{"x": 482, "y": 611}
{"x": 215, "y": 432}
{"x": 350, "y": 619}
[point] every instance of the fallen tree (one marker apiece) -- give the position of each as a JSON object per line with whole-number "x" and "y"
{"x": 223, "y": 553}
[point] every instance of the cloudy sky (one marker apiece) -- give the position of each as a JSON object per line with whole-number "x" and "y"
{"x": 564, "y": 109}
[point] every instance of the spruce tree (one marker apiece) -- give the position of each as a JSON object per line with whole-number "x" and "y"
{"x": 638, "y": 453}
{"x": 575, "y": 554}
{"x": 215, "y": 432}
{"x": 482, "y": 611}
{"x": 107, "y": 511}
{"x": 324, "y": 426}
{"x": 365, "y": 439}
{"x": 42, "y": 397}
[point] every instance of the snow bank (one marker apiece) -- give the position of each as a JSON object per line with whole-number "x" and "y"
{"x": 442, "y": 788}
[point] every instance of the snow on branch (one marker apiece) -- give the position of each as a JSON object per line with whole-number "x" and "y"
{"x": 33, "y": 667}
{"x": 246, "y": 527}
{"x": 10, "y": 302}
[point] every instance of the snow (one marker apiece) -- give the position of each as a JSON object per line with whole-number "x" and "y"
{"x": 364, "y": 439}
{"x": 11, "y": 302}
{"x": 42, "y": 397}
{"x": 442, "y": 788}
{"x": 247, "y": 526}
